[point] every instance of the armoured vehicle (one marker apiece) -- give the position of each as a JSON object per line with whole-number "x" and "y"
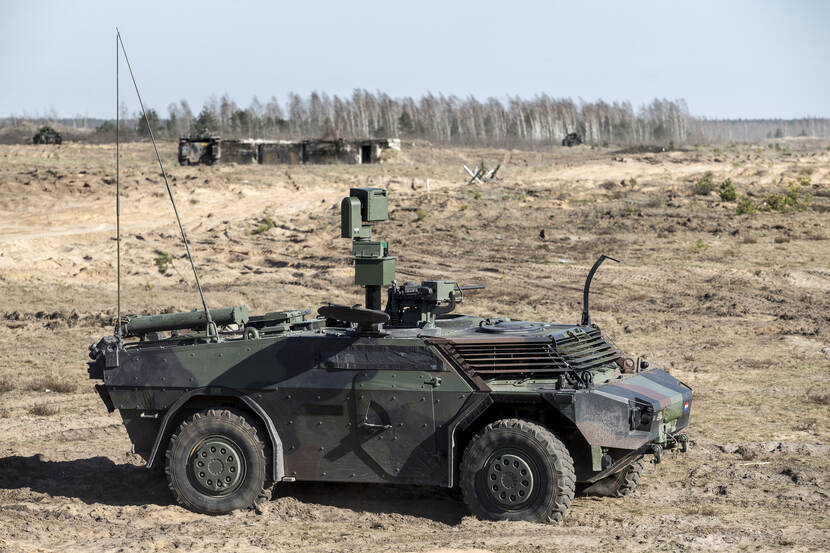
{"x": 194, "y": 150}
{"x": 47, "y": 135}
{"x": 519, "y": 414}
{"x": 571, "y": 140}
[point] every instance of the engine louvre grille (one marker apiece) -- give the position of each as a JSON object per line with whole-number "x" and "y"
{"x": 575, "y": 350}
{"x": 499, "y": 357}
{"x": 587, "y": 350}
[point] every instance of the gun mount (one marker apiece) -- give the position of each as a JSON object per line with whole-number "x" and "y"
{"x": 408, "y": 305}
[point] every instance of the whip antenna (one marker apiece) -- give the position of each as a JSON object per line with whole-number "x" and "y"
{"x": 210, "y": 324}
{"x": 117, "y": 190}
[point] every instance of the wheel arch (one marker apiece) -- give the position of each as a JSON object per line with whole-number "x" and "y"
{"x": 213, "y": 397}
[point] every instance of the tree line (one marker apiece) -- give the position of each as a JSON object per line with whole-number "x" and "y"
{"x": 514, "y": 121}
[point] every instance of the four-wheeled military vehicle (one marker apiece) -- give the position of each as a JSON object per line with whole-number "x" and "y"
{"x": 47, "y": 135}
{"x": 518, "y": 414}
{"x": 201, "y": 149}
{"x": 572, "y": 139}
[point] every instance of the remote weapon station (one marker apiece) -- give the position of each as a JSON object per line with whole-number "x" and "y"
{"x": 520, "y": 415}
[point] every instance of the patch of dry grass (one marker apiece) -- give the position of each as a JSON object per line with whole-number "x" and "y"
{"x": 821, "y": 398}
{"x": 52, "y": 384}
{"x": 6, "y": 384}
{"x": 44, "y": 410}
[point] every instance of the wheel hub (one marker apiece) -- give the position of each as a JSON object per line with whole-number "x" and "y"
{"x": 509, "y": 479}
{"x": 217, "y": 465}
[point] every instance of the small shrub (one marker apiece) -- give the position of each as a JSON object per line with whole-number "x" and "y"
{"x": 784, "y": 201}
{"x": 463, "y": 207}
{"x": 5, "y": 413}
{"x": 704, "y": 185}
{"x": 44, "y": 410}
{"x": 701, "y": 246}
{"x": 265, "y": 224}
{"x": 163, "y": 261}
{"x": 517, "y": 196}
{"x": 6, "y": 385}
{"x": 420, "y": 215}
{"x": 655, "y": 200}
{"x": 727, "y": 191}
{"x": 632, "y": 182}
{"x": 781, "y": 239}
{"x": 745, "y": 206}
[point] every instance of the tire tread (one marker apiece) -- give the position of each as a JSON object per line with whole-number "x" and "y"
{"x": 565, "y": 477}
{"x": 234, "y": 417}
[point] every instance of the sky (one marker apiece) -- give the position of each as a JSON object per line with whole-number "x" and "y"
{"x": 727, "y": 59}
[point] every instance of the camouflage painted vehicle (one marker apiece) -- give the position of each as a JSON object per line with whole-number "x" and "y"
{"x": 572, "y": 139}
{"x": 520, "y": 415}
{"x": 203, "y": 149}
{"x": 47, "y": 135}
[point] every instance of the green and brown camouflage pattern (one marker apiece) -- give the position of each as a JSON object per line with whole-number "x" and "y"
{"x": 343, "y": 405}
{"x": 365, "y": 395}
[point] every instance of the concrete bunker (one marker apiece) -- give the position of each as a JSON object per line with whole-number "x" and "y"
{"x": 315, "y": 152}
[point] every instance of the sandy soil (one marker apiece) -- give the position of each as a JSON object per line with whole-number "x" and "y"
{"x": 737, "y": 306}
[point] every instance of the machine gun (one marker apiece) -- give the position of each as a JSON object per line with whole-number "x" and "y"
{"x": 418, "y": 305}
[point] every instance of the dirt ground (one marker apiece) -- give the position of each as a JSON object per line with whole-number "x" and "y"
{"x": 737, "y": 306}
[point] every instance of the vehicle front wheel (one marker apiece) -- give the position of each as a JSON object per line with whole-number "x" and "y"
{"x": 216, "y": 462}
{"x": 619, "y": 484}
{"x": 515, "y": 469}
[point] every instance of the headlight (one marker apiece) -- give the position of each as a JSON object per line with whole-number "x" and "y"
{"x": 641, "y": 415}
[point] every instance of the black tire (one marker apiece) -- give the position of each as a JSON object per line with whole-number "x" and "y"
{"x": 630, "y": 478}
{"x": 230, "y": 450}
{"x": 495, "y": 467}
{"x": 619, "y": 484}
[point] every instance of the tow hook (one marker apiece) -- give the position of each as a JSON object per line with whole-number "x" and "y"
{"x": 683, "y": 442}
{"x": 678, "y": 441}
{"x": 657, "y": 451}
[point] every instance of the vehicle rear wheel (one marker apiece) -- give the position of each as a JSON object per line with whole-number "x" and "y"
{"x": 216, "y": 462}
{"x": 515, "y": 469}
